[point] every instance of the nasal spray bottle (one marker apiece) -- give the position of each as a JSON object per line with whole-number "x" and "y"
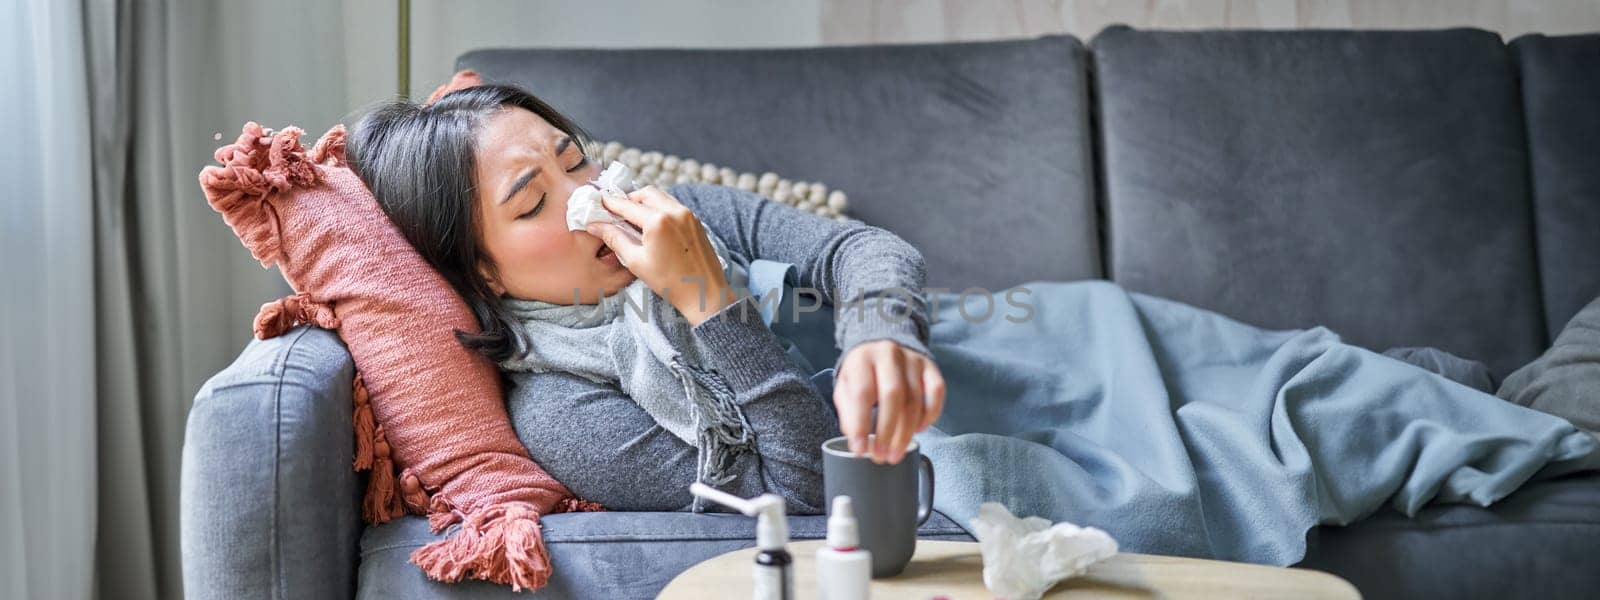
{"x": 774, "y": 568}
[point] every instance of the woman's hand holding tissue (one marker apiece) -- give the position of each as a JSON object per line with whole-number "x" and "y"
{"x": 905, "y": 386}
{"x": 674, "y": 257}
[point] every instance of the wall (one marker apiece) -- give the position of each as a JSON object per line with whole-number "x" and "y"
{"x": 443, "y": 29}
{"x": 899, "y": 21}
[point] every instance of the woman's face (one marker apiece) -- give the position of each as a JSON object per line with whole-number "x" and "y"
{"x": 527, "y": 169}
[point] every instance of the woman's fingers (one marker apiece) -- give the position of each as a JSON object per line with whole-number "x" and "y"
{"x": 905, "y": 386}
{"x": 643, "y": 217}
{"x": 933, "y": 387}
{"x": 889, "y": 370}
{"x": 852, "y": 397}
{"x": 614, "y": 238}
{"x": 653, "y": 197}
{"x": 915, "y": 405}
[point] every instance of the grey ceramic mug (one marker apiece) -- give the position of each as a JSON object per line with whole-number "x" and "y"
{"x": 888, "y": 501}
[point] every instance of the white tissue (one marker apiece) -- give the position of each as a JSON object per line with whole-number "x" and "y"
{"x": 1024, "y": 558}
{"x": 584, "y": 206}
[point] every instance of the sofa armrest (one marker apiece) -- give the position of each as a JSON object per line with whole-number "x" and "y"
{"x": 269, "y": 504}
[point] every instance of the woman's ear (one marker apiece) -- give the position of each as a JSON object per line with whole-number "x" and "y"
{"x": 490, "y": 277}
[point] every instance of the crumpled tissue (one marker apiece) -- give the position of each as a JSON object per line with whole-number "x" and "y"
{"x": 584, "y": 206}
{"x": 1024, "y": 558}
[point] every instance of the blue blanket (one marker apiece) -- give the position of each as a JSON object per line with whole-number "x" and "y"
{"x": 1182, "y": 432}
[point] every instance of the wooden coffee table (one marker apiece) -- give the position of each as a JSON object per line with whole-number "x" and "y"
{"x": 955, "y": 570}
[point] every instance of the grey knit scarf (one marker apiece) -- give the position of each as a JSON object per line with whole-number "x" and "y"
{"x": 638, "y": 341}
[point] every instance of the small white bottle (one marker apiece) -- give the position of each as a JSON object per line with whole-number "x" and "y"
{"x": 844, "y": 570}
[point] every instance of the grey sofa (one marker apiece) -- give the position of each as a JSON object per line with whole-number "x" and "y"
{"x": 1422, "y": 188}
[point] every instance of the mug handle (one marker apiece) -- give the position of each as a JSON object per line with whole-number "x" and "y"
{"x": 924, "y": 490}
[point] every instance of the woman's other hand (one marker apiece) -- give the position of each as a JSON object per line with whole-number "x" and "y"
{"x": 674, "y": 258}
{"x": 905, "y": 386}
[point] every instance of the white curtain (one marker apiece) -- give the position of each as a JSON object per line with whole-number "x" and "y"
{"x": 47, "y": 426}
{"x": 121, "y": 291}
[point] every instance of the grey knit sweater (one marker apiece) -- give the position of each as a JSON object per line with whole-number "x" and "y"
{"x": 596, "y": 440}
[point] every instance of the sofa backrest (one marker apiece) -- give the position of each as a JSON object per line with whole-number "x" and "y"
{"x": 976, "y": 153}
{"x": 1371, "y": 181}
{"x": 1561, "y": 103}
{"x": 1376, "y": 182}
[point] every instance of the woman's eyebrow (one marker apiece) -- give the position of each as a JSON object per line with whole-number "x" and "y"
{"x": 522, "y": 182}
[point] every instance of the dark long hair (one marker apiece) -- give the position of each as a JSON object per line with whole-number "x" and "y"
{"x": 420, "y": 161}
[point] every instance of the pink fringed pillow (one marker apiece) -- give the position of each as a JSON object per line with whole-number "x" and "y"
{"x": 424, "y": 404}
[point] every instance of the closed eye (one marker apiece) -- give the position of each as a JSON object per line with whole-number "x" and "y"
{"x": 533, "y": 211}
{"x": 542, "y": 197}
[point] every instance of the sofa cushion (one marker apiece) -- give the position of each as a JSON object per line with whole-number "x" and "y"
{"x": 1565, "y": 380}
{"x": 1540, "y": 542}
{"x": 612, "y": 555}
{"x": 1373, "y": 182}
{"x": 268, "y": 499}
{"x": 976, "y": 153}
{"x": 1561, "y": 102}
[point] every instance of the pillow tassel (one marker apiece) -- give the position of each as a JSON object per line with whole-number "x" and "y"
{"x": 576, "y": 504}
{"x": 415, "y": 499}
{"x": 364, "y": 425}
{"x": 382, "y": 502}
{"x": 500, "y": 543}
{"x": 255, "y": 167}
{"x": 283, "y": 314}
{"x": 329, "y": 150}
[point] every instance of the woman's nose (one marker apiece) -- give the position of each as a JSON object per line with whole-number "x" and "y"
{"x": 563, "y": 191}
{"x": 573, "y": 181}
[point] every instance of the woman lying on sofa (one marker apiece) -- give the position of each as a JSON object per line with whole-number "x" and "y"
{"x": 1175, "y": 429}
